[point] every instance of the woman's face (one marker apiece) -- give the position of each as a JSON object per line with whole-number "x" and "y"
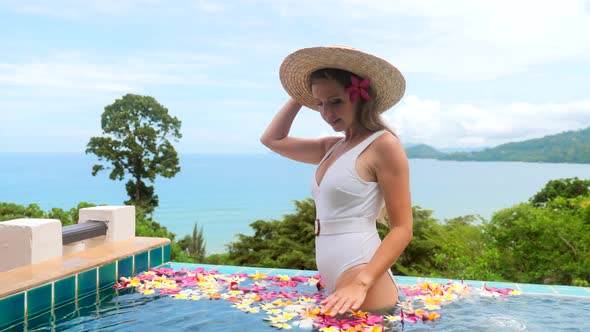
{"x": 334, "y": 104}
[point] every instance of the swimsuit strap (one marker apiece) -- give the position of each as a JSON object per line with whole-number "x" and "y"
{"x": 359, "y": 148}
{"x": 331, "y": 150}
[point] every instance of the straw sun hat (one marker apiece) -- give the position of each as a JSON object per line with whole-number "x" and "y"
{"x": 387, "y": 82}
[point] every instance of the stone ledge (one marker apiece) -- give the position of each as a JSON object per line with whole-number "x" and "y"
{"x": 30, "y": 276}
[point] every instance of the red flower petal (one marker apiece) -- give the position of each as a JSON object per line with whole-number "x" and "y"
{"x": 365, "y": 83}
{"x": 364, "y": 94}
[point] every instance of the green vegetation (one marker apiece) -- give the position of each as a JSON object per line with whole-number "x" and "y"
{"x": 567, "y": 147}
{"x": 288, "y": 243}
{"x": 423, "y": 151}
{"x": 566, "y": 188}
{"x": 136, "y": 142}
{"x": 194, "y": 246}
{"x": 529, "y": 242}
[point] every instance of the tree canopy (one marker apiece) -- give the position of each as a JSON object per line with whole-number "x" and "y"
{"x": 566, "y": 188}
{"x": 136, "y": 142}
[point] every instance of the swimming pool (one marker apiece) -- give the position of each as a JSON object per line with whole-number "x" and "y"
{"x": 537, "y": 308}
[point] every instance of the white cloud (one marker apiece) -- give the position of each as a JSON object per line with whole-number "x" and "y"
{"x": 74, "y": 70}
{"x": 460, "y": 40}
{"x": 426, "y": 121}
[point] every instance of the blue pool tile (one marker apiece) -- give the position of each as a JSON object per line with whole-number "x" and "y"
{"x": 438, "y": 280}
{"x": 65, "y": 311}
{"x": 178, "y": 266}
{"x": 107, "y": 275}
{"x": 536, "y": 289}
{"x": 307, "y": 273}
{"x": 474, "y": 283}
{"x": 141, "y": 263}
{"x": 125, "y": 267}
{"x": 246, "y": 270}
{"x": 38, "y": 320}
{"x": 502, "y": 285}
{"x": 167, "y": 253}
{"x": 87, "y": 282}
{"x": 224, "y": 269}
{"x": 156, "y": 257}
{"x": 569, "y": 290}
{"x": 39, "y": 300}
{"x": 106, "y": 294}
{"x": 276, "y": 272}
{"x": 64, "y": 291}
{"x": 405, "y": 281}
{"x": 88, "y": 304}
{"x": 20, "y": 327}
{"x": 12, "y": 309}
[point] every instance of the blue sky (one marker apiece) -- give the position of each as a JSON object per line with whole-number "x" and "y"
{"x": 479, "y": 73}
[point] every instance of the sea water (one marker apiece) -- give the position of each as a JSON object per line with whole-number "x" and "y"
{"x": 225, "y": 193}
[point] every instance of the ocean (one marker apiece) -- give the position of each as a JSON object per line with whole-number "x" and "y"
{"x": 225, "y": 193}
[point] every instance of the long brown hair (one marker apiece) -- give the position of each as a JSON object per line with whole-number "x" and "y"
{"x": 366, "y": 115}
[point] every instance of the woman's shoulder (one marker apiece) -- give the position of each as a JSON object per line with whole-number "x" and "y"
{"x": 387, "y": 140}
{"x": 388, "y": 147}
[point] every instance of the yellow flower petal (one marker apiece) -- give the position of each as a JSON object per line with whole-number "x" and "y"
{"x": 282, "y": 326}
{"x": 258, "y": 276}
{"x": 392, "y": 318}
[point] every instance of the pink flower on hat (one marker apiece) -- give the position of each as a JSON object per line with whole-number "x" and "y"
{"x": 357, "y": 89}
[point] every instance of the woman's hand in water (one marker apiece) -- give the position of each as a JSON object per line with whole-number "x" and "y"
{"x": 348, "y": 297}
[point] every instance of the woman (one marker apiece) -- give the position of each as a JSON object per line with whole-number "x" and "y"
{"x": 356, "y": 175}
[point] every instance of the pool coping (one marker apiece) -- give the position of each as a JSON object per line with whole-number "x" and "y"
{"x": 39, "y": 292}
{"x": 30, "y": 276}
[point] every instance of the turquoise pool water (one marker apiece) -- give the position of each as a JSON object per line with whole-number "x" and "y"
{"x": 538, "y": 308}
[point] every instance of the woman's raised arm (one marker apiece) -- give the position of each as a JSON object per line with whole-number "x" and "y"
{"x": 307, "y": 150}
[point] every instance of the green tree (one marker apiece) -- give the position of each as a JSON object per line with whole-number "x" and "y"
{"x": 194, "y": 245}
{"x": 10, "y": 211}
{"x": 566, "y": 188}
{"x": 288, "y": 243}
{"x": 137, "y": 132}
{"x": 416, "y": 259}
{"x": 541, "y": 245}
{"x": 149, "y": 228}
{"x": 461, "y": 246}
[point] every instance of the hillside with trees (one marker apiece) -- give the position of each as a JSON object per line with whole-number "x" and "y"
{"x": 567, "y": 147}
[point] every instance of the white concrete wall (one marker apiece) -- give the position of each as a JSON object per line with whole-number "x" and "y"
{"x": 29, "y": 241}
{"x": 120, "y": 226}
{"x": 120, "y": 220}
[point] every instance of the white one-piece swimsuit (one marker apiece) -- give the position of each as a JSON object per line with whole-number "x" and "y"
{"x": 347, "y": 208}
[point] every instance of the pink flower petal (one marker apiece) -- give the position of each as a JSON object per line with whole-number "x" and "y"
{"x": 364, "y": 94}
